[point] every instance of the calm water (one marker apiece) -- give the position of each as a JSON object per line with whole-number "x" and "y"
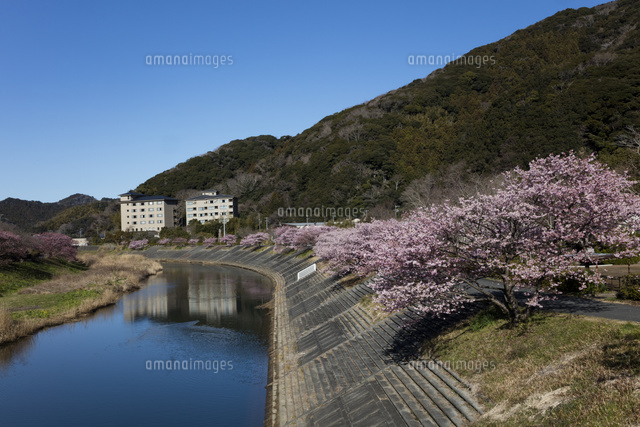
{"x": 106, "y": 371}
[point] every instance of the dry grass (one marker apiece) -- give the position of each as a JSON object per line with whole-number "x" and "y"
{"x": 68, "y": 297}
{"x": 559, "y": 370}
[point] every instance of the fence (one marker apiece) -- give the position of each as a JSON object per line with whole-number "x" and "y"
{"x": 616, "y": 283}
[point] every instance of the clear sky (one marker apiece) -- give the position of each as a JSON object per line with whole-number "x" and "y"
{"x": 82, "y": 112}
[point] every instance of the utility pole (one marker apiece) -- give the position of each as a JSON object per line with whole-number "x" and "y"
{"x": 266, "y": 222}
{"x": 396, "y": 209}
{"x": 259, "y": 221}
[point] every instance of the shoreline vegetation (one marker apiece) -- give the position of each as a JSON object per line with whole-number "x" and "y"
{"x": 37, "y": 294}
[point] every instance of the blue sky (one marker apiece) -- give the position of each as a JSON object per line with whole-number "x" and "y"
{"x": 82, "y": 112}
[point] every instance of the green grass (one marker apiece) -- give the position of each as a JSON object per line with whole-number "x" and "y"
{"x": 594, "y": 363}
{"x": 46, "y": 305}
{"x": 19, "y": 275}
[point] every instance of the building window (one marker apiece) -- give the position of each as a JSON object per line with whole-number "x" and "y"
{"x": 190, "y": 203}
{"x": 143, "y": 222}
{"x": 159, "y": 221}
{"x": 150, "y": 222}
{"x": 159, "y": 209}
{"x": 159, "y": 215}
{"x": 133, "y": 210}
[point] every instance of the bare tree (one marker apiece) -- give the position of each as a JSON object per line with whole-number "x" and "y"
{"x": 243, "y": 184}
{"x": 421, "y": 192}
{"x": 630, "y": 139}
{"x": 452, "y": 185}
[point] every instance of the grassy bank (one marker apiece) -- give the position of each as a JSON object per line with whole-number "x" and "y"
{"x": 559, "y": 370}
{"x": 40, "y": 295}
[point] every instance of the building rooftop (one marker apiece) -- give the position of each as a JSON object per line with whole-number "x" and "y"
{"x": 150, "y": 198}
{"x": 138, "y": 197}
{"x": 206, "y": 197}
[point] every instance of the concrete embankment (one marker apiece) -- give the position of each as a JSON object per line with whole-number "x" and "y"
{"x": 331, "y": 363}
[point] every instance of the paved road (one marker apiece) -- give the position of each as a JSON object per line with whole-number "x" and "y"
{"x": 583, "y": 306}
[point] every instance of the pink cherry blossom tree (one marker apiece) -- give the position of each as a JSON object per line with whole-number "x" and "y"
{"x": 255, "y": 239}
{"x": 56, "y": 245}
{"x": 528, "y": 235}
{"x": 229, "y": 239}
{"x": 12, "y": 247}
{"x": 138, "y": 245}
{"x": 350, "y": 250}
{"x": 209, "y": 241}
{"x": 306, "y": 237}
{"x": 283, "y": 237}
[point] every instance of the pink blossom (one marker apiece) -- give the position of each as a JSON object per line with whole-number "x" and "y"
{"x": 56, "y": 245}
{"x": 255, "y": 239}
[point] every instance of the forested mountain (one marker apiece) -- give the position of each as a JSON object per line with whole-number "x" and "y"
{"x": 87, "y": 220}
{"x": 571, "y": 81}
{"x": 26, "y": 214}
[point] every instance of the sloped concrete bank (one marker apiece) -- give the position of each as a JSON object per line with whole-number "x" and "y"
{"x": 331, "y": 363}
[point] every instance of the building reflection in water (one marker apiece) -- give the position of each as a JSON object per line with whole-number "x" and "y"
{"x": 214, "y": 295}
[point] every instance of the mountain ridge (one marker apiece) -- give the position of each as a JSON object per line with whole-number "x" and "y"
{"x": 568, "y": 82}
{"x": 27, "y": 214}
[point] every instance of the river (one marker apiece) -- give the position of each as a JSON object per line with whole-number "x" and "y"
{"x": 189, "y": 348}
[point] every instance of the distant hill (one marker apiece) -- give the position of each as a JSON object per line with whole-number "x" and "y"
{"x": 86, "y": 220}
{"x": 26, "y": 214}
{"x": 569, "y": 82}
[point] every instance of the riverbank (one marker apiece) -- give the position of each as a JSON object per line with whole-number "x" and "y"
{"x": 331, "y": 362}
{"x": 560, "y": 369}
{"x": 70, "y": 296}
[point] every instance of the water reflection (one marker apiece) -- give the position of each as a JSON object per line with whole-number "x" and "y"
{"x": 216, "y": 296}
{"x": 189, "y": 312}
{"x": 15, "y": 352}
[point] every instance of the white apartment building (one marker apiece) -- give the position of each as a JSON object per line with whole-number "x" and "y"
{"x": 139, "y": 212}
{"x": 211, "y": 206}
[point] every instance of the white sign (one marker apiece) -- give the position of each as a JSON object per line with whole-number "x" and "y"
{"x": 307, "y": 271}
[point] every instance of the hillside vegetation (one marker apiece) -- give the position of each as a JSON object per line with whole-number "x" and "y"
{"x": 569, "y": 82}
{"x": 27, "y": 213}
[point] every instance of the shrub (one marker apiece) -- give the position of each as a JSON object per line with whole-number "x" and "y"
{"x": 179, "y": 241}
{"x": 630, "y": 290}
